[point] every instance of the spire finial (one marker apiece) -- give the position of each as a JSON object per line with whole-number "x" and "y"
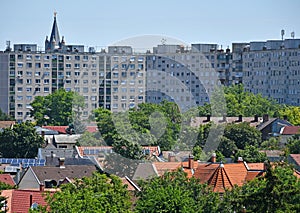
{"x": 55, "y": 13}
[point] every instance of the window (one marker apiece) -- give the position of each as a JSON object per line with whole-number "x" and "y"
{"x": 94, "y": 74}
{"x": 46, "y": 57}
{"x": 115, "y": 75}
{"x": 68, "y": 74}
{"x": 20, "y": 105}
{"x": 46, "y": 89}
{"x": 46, "y": 73}
{"x": 77, "y": 66}
{"x": 37, "y": 73}
{"x": 46, "y": 81}
{"x": 37, "y": 65}
{"x": 68, "y": 57}
{"x": 28, "y": 81}
{"x": 68, "y": 66}
{"x": 77, "y": 57}
{"x": 37, "y": 89}
{"x": 20, "y": 57}
{"x": 28, "y": 89}
{"x": 94, "y": 81}
{"x": 94, "y": 89}
{"x": 93, "y": 98}
{"x": 132, "y": 66}
{"x": 19, "y": 98}
{"x": 20, "y": 65}
{"x": 28, "y": 73}
{"x": 20, "y": 89}
{"x": 20, "y": 114}
{"x": 85, "y": 81}
{"x": 76, "y": 81}
{"x": 85, "y": 89}
{"x": 85, "y": 65}
{"x": 77, "y": 73}
{"x": 46, "y": 65}
{"x": 68, "y": 81}
{"x": 85, "y": 57}
{"x": 28, "y": 98}
{"x": 37, "y": 81}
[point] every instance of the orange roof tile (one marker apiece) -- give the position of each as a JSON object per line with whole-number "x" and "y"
{"x": 60, "y": 129}
{"x": 296, "y": 158}
{"x": 220, "y": 180}
{"x": 291, "y": 130}
{"x": 163, "y": 167}
{"x": 7, "y": 178}
{"x": 6, "y": 124}
{"x": 256, "y": 166}
{"x": 21, "y": 200}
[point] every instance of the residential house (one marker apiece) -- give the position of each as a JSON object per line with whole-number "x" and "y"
{"x": 288, "y": 132}
{"x": 294, "y": 159}
{"x": 52, "y": 176}
{"x": 7, "y": 179}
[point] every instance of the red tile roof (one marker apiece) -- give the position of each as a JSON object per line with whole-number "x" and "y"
{"x": 59, "y": 129}
{"x": 296, "y": 158}
{"x": 7, "y": 178}
{"x": 6, "y": 124}
{"x": 225, "y": 176}
{"x": 21, "y": 200}
{"x": 291, "y": 130}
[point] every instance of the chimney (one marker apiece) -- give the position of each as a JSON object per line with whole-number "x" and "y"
{"x": 42, "y": 187}
{"x": 240, "y": 118}
{"x": 255, "y": 118}
{"x": 240, "y": 160}
{"x": 213, "y": 158}
{"x": 224, "y": 118}
{"x": 285, "y": 117}
{"x": 171, "y": 157}
{"x": 62, "y": 163}
{"x": 265, "y": 118}
{"x": 208, "y": 118}
{"x": 191, "y": 162}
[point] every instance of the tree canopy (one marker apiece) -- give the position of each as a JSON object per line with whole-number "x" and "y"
{"x": 5, "y": 117}
{"x": 21, "y": 141}
{"x": 59, "y": 108}
{"x": 98, "y": 193}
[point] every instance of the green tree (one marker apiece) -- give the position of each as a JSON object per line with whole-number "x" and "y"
{"x": 243, "y": 134}
{"x": 293, "y": 145}
{"x": 251, "y": 154}
{"x": 20, "y": 142}
{"x": 174, "y": 192}
{"x": 5, "y": 117}
{"x": 271, "y": 144}
{"x": 292, "y": 113}
{"x": 98, "y": 193}
{"x": 59, "y": 108}
{"x": 277, "y": 191}
{"x": 227, "y": 147}
{"x": 90, "y": 139}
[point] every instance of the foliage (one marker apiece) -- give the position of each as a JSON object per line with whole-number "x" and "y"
{"x": 277, "y": 191}
{"x": 90, "y": 139}
{"x": 293, "y": 145}
{"x": 271, "y": 144}
{"x": 5, "y": 117}
{"x": 174, "y": 192}
{"x": 227, "y": 147}
{"x": 20, "y": 142}
{"x": 292, "y": 113}
{"x": 98, "y": 193}
{"x": 251, "y": 154}
{"x": 4, "y": 186}
{"x": 243, "y": 134}
{"x": 59, "y": 108}
{"x": 239, "y": 102}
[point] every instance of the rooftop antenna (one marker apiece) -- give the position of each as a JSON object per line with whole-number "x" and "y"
{"x": 163, "y": 41}
{"x": 293, "y": 35}
{"x": 282, "y": 34}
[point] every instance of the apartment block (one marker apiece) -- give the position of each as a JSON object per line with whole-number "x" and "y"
{"x": 272, "y": 68}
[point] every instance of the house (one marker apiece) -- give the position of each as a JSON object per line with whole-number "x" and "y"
{"x": 51, "y": 176}
{"x": 6, "y": 124}
{"x": 288, "y": 132}
{"x": 63, "y": 141}
{"x": 20, "y": 201}
{"x": 274, "y": 155}
{"x": 63, "y": 129}
{"x": 294, "y": 159}
{"x": 7, "y": 179}
{"x": 218, "y": 175}
{"x": 272, "y": 126}
{"x": 253, "y": 121}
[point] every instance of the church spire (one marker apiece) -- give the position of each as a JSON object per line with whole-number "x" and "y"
{"x": 54, "y": 37}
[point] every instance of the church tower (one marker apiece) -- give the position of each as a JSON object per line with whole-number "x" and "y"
{"x": 54, "y": 44}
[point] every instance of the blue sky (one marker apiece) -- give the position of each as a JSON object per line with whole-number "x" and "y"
{"x": 101, "y": 23}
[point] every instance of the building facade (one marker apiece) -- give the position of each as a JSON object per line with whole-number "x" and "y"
{"x": 272, "y": 68}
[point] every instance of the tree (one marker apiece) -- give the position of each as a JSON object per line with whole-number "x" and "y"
{"x": 293, "y": 145}
{"x": 174, "y": 192}
{"x": 227, "y": 147}
{"x": 20, "y": 142}
{"x": 292, "y": 113}
{"x": 5, "y": 117}
{"x": 271, "y": 144}
{"x": 243, "y": 134}
{"x": 98, "y": 193}
{"x": 59, "y": 108}
{"x": 251, "y": 154}
{"x": 90, "y": 139}
{"x": 277, "y": 191}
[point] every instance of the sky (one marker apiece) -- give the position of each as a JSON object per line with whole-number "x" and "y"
{"x": 101, "y": 23}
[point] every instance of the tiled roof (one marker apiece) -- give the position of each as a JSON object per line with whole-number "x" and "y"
{"x": 20, "y": 201}
{"x": 197, "y": 121}
{"x": 71, "y": 139}
{"x": 60, "y": 129}
{"x": 145, "y": 171}
{"x": 84, "y": 150}
{"x": 265, "y": 124}
{"x": 57, "y": 173}
{"x": 6, "y": 124}
{"x": 163, "y": 167}
{"x": 7, "y": 178}
{"x": 296, "y": 158}
{"x": 291, "y": 130}
{"x": 220, "y": 180}
{"x": 131, "y": 186}
{"x": 255, "y": 166}
{"x": 92, "y": 129}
